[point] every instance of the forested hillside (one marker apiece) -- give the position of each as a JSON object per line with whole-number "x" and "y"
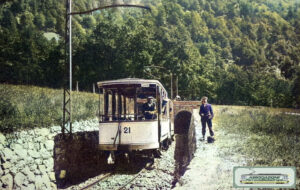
{"x": 244, "y": 52}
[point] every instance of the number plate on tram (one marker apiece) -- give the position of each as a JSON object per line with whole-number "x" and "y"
{"x": 126, "y": 130}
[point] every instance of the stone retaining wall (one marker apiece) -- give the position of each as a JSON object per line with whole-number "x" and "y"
{"x": 27, "y": 157}
{"x": 78, "y": 159}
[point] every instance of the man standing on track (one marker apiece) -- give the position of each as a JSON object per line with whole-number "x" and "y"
{"x": 207, "y": 115}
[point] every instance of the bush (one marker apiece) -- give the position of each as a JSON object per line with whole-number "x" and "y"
{"x": 258, "y": 120}
{"x": 23, "y": 107}
{"x": 268, "y": 123}
{"x": 8, "y": 115}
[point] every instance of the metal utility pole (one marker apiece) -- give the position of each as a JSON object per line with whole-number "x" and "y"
{"x": 176, "y": 85}
{"x": 67, "y": 106}
{"x": 171, "y": 75}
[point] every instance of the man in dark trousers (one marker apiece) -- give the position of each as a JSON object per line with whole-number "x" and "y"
{"x": 207, "y": 115}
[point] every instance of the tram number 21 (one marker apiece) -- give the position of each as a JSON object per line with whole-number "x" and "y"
{"x": 126, "y": 129}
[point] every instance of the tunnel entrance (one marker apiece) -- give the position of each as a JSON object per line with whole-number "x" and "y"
{"x": 182, "y": 122}
{"x": 185, "y": 135}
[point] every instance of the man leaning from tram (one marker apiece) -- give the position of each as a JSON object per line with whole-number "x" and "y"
{"x": 149, "y": 108}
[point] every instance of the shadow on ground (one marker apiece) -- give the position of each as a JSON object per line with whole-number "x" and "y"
{"x": 78, "y": 158}
{"x": 185, "y": 143}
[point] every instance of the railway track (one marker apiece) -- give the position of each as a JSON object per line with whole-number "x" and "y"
{"x": 142, "y": 172}
{"x": 133, "y": 178}
{"x": 105, "y": 176}
{"x": 97, "y": 181}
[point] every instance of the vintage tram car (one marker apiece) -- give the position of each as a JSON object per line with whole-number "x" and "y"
{"x": 123, "y": 124}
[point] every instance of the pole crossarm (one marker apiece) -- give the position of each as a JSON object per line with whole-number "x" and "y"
{"x": 110, "y": 6}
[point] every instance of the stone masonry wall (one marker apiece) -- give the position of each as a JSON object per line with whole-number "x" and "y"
{"x": 27, "y": 157}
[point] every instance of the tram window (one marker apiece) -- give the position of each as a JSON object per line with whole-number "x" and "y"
{"x": 129, "y": 109}
{"x": 148, "y": 108}
{"x": 165, "y": 107}
{"x": 140, "y": 109}
{"x": 127, "y": 104}
{"x": 140, "y": 104}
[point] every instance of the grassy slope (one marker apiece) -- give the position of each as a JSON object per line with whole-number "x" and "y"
{"x": 266, "y": 136}
{"x": 28, "y": 107}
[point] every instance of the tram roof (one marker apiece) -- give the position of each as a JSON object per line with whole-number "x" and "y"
{"x": 129, "y": 82}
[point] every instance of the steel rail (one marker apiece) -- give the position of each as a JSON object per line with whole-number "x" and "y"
{"x": 111, "y": 173}
{"x": 97, "y": 181}
{"x": 132, "y": 179}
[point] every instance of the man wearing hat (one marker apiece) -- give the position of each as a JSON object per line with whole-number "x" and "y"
{"x": 207, "y": 115}
{"x": 149, "y": 108}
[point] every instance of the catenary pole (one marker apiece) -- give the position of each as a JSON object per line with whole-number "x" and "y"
{"x": 67, "y": 106}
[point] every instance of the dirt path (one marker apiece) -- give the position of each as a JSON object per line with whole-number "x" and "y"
{"x": 212, "y": 166}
